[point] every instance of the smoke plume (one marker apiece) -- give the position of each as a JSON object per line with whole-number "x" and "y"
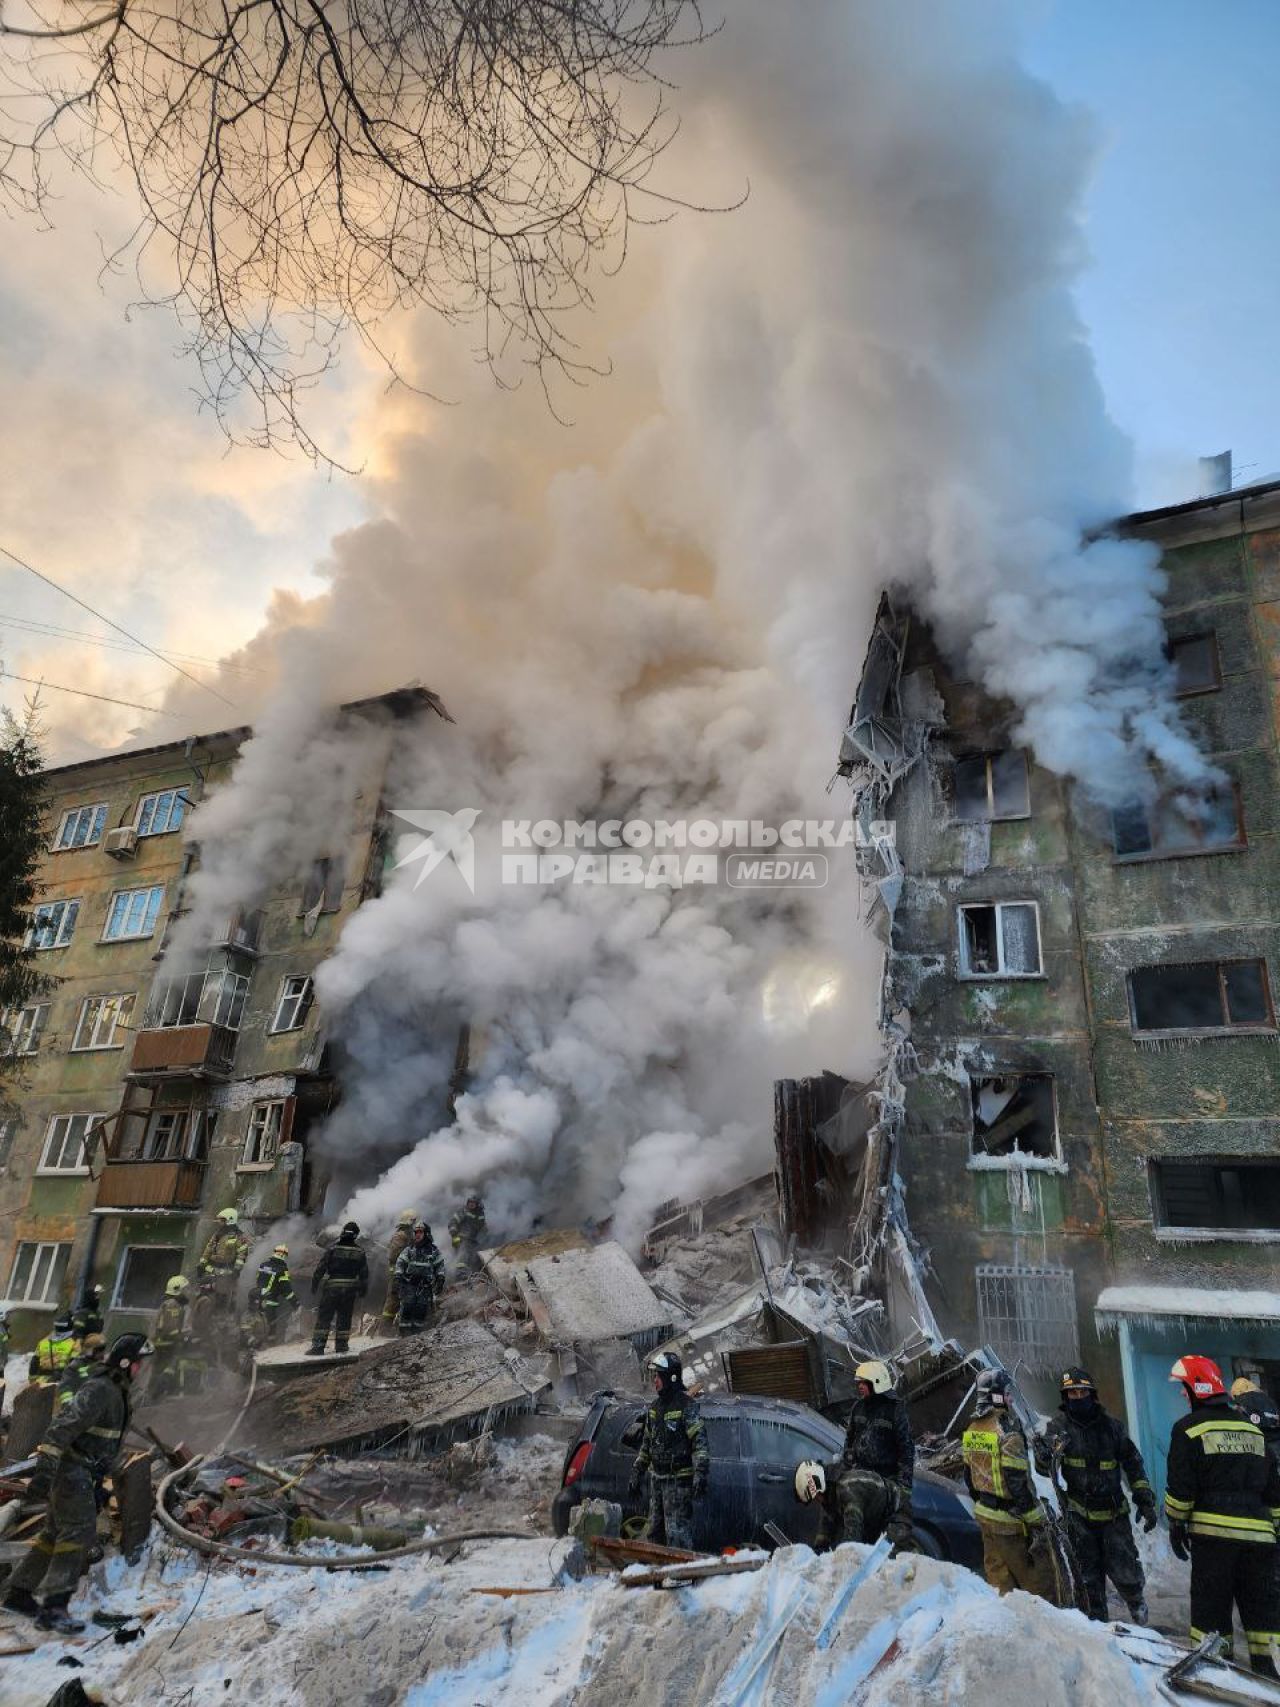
{"x": 871, "y": 373}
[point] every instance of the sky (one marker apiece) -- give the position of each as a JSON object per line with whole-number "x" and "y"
{"x": 115, "y": 485}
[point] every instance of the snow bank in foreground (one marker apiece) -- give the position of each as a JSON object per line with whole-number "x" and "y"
{"x": 418, "y": 1635}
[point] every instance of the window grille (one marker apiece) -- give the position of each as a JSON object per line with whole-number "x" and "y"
{"x": 1028, "y": 1315}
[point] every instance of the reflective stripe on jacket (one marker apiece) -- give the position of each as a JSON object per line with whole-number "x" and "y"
{"x": 997, "y": 1473}
{"x": 50, "y": 1358}
{"x": 1222, "y": 1480}
{"x": 675, "y": 1438}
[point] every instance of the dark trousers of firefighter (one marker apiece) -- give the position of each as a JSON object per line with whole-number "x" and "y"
{"x": 1239, "y": 1573}
{"x": 1102, "y": 1550}
{"x": 60, "y": 1552}
{"x": 867, "y": 1502}
{"x": 417, "y": 1308}
{"x": 671, "y": 1511}
{"x": 336, "y": 1305}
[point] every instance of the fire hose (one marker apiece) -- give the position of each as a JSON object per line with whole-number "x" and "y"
{"x": 351, "y": 1562}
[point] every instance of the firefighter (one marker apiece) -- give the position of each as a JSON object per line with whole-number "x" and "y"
{"x": 403, "y": 1235}
{"x": 873, "y": 1490}
{"x": 1222, "y": 1499}
{"x": 1089, "y": 1450}
{"x": 419, "y": 1279}
{"x": 1017, "y": 1547}
{"x": 466, "y": 1229}
{"x": 75, "y": 1455}
{"x": 85, "y": 1361}
{"x": 88, "y": 1317}
{"x": 1260, "y": 1408}
{"x": 52, "y": 1354}
{"x": 274, "y": 1295}
{"x": 341, "y": 1277}
{"x": 673, "y": 1451}
{"x": 176, "y": 1362}
{"x": 224, "y": 1256}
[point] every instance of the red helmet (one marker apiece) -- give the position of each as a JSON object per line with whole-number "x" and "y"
{"x": 1200, "y": 1376}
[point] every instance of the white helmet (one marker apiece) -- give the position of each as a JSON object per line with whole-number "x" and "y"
{"x": 811, "y": 1481}
{"x": 230, "y": 1216}
{"x": 877, "y": 1375}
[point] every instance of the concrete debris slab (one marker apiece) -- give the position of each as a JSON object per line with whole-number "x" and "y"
{"x": 503, "y": 1264}
{"x": 277, "y": 1361}
{"x": 413, "y": 1395}
{"x": 585, "y": 1296}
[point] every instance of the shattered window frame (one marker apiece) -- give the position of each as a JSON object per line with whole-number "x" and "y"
{"x": 983, "y": 1160}
{"x": 1225, "y": 1190}
{"x": 296, "y": 1003}
{"x": 972, "y": 974}
{"x": 176, "y": 1256}
{"x": 989, "y": 761}
{"x": 188, "y": 1134}
{"x": 1224, "y": 1026}
{"x": 1163, "y": 817}
{"x": 264, "y": 1133}
{"x": 1183, "y": 643}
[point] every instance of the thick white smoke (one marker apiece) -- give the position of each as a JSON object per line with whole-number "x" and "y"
{"x": 872, "y": 373}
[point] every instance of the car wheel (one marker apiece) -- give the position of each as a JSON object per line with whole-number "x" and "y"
{"x": 927, "y": 1542}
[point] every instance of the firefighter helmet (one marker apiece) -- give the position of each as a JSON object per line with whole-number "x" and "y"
{"x": 129, "y": 1349}
{"x": 475, "y": 1201}
{"x": 1074, "y": 1380}
{"x": 352, "y": 1228}
{"x": 280, "y": 1251}
{"x": 811, "y": 1481}
{"x": 176, "y": 1286}
{"x": 229, "y": 1216}
{"x": 1242, "y": 1385}
{"x": 62, "y": 1327}
{"x": 668, "y": 1368}
{"x": 878, "y": 1376}
{"x": 993, "y": 1386}
{"x": 1200, "y": 1376}
{"x": 406, "y": 1218}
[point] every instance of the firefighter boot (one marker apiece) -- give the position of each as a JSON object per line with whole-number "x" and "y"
{"x": 53, "y": 1615}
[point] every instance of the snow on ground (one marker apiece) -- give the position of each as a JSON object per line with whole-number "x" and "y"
{"x": 423, "y": 1633}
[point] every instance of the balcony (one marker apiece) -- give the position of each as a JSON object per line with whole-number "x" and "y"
{"x": 198, "y": 1051}
{"x": 150, "y": 1185}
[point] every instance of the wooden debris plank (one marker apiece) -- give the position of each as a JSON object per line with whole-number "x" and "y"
{"x": 622, "y": 1552}
{"x": 693, "y": 1573}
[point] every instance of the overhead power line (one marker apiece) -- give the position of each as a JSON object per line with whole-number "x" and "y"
{"x": 146, "y": 647}
{"x": 34, "y": 682}
{"x": 55, "y": 631}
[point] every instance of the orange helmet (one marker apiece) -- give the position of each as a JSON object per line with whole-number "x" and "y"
{"x": 1200, "y": 1376}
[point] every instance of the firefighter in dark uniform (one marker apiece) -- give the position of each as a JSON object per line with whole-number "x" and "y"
{"x": 1222, "y": 1499}
{"x": 274, "y": 1295}
{"x": 673, "y": 1451}
{"x": 79, "y": 1448}
{"x": 1261, "y": 1410}
{"x": 88, "y": 1318}
{"x": 1090, "y": 1449}
{"x": 467, "y": 1227}
{"x": 341, "y": 1278}
{"x": 873, "y": 1488}
{"x": 420, "y": 1280}
{"x": 405, "y": 1223}
{"x": 52, "y": 1355}
{"x": 1017, "y": 1548}
{"x": 86, "y": 1361}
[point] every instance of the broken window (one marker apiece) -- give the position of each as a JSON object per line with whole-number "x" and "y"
{"x": 179, "y": 1135}
{"x": 262, "y": 1140}
{"x": 992, "y": 786}
{"x": 1196, "y": 668}
{"x": 322, "y": 892}
{"x": 1209, "y": 995}
{"x": 1238, "y": 1194}
{"x": 1028, "y": 1316}
{"x": 293, "y": 1004}
{"x": 1015, "y": 1115}
{"x": 142, "y": 1275}
{"x": 1000, "y": 940}
{"x": 1176, "y": 824}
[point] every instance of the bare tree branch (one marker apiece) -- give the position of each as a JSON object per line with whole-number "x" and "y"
{"x": 307, "y": 167}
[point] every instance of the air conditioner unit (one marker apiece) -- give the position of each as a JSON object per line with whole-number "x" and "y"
{"x": 122, "y": 843}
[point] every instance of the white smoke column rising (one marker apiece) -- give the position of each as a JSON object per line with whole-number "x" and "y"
{"x": 872, "y": 373}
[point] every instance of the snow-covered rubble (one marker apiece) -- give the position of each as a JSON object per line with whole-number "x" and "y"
{"x": 425, "y": 1634}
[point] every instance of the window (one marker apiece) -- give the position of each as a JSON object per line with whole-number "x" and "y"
{"x": 179, "y": 1135}
{"x": 160, "y": 813}
{"x": 322, "y": 891}
{"x": 1014, "y": 1115}
{"x": 1241, "y": 1195}
{"x": 1175, "y": 824}
{"x": 262, "y": 1141}
{"x": 25, "y": 1027}
{"x": 1210, "y": 995}
{"x": 1028, "y": 1315}
{"x": 216, "y": 997}
{"x": 8, "y": 1132}
{"x": 81, "y": 827}
{"x": 1000, "y": 941}
{"x": 65, "y": 1144}
{"x": 133, "y": 914}
{"x": 143, "y": 1273}
{"x": 1195, "y": 664}
{"x": 38, "y": 1273}
{"x": 992, "y": 786}
{"x": 102, "y": 1018}
{"x": 242, "y": 931}
{"x": 293, "y": 1005}
{"x": 52, "y": 924}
